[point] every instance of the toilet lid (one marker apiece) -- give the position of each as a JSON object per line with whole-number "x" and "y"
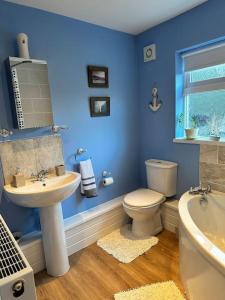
{"x": 142, "y": 198}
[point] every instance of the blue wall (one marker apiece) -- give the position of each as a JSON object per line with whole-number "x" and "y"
{"x": 69, "y": 46}
{"x": 198, "y": 26}
{"x": 133, "y": 133}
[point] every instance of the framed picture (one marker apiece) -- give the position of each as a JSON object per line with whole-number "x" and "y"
{"x": 98, "y": 77}
{"x": 99, "y": 106}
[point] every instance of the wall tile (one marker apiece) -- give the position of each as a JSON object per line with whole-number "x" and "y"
{"x": 42, "y": 105}
{"x": 213, "y": 174}
{"x": 45, "y": 91}
{"x": 218, "y": 186}
{"x": 27, "y": 106}
{"x": 17, "y": 154}
{"x": 43, "y": 119}
{"x": 212, "y": 166}
{"x": 209, "y": 153}
{"x": 48, "y": 152}
{"x": 29, "y": 120}
{"x": 29, "y": 91}
{"x": 221, "y": 155}
{"x": 23, "y": 75}
{"x": 30, "y": 155}
{"x": 38, "y": 77}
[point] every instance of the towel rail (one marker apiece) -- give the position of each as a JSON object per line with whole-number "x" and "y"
{"x": 79, "y": 152}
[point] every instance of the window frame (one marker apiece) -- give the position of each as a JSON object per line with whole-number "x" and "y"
{"x": 212, "y": 54}
{"x": 201, "y": 86}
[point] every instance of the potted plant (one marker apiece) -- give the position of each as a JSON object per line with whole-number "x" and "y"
{"x": 196, "y": 121}
{"x": 215, "y": 127}
{"x": 192, "y": 132}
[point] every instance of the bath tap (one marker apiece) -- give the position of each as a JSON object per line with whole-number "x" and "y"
{"x": 204, "y": 200}
{"x": 200, "y": 190}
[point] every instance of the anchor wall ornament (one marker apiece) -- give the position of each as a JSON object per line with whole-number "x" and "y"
{"x": 155, "y": 104}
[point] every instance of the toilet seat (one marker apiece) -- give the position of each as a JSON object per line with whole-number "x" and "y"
{"x": 143, "y": 198}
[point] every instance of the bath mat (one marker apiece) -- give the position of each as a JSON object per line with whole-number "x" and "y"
{"x": 157, "y": 291}
{"x": 124, "y": 246}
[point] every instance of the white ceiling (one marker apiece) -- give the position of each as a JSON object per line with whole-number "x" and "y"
{"x": 131, "y": 16}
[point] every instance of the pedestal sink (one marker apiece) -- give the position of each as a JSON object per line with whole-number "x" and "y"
{"x": 47, "y": 195}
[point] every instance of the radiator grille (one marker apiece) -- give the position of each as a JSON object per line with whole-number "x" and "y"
{"x": 10, "y": 259}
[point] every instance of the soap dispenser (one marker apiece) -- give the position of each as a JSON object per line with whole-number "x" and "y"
{"x": 18, "y": 179}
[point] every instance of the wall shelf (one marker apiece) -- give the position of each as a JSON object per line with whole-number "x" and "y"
{"x": 199, "y": 141}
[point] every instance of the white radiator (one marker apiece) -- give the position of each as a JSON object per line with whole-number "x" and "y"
{"x": 16, "y": 275}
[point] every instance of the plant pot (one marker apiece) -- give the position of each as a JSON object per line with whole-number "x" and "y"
{"x": 191, "y": 133}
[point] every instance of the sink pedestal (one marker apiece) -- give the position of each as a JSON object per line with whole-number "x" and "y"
{"x": 54, "y": 241}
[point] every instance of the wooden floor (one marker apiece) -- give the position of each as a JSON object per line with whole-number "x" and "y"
{"x": 94, "y": 274}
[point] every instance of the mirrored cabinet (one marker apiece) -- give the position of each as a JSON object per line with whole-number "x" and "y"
{"x": 30, "y": 93}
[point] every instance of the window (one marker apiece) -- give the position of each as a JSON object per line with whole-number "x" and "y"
{"x": 204, "y": 90}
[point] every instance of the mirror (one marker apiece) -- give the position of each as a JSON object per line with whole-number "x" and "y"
{"x": 30, "y": 93}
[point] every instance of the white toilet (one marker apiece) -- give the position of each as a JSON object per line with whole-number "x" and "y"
{"x": 143, "y": 205}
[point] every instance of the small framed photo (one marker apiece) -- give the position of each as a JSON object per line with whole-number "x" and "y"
{"x": 98, "y": 77}
{"x": 99, "y": 106}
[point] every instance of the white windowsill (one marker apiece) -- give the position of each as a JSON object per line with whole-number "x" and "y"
{"x": 199, "y": 141}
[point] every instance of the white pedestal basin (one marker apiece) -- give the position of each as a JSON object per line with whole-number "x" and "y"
{"x": 47, "y": 196}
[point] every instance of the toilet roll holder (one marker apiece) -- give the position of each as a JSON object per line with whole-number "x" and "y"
{"x": 106, "y": 174}
{"x": 106, "y": 178}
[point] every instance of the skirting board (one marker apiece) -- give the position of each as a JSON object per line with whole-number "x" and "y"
{"x": 81, "y": 231}
{"x": 87, "y": 227}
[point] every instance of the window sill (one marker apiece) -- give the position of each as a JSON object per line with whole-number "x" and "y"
{"x": 199, "y": 141}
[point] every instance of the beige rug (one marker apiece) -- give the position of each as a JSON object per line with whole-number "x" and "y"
{"x": 157, "y": 291}
{"x": 124, "y": 246}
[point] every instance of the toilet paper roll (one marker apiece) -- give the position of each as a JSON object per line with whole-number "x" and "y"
{"x": 107, "y": 181}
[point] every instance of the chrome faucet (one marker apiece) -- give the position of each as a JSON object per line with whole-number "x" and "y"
{"x": 200, "y": 190}
{"x": 41, "y": 176}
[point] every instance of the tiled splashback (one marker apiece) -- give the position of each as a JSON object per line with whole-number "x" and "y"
{"x": 212, "y": 166}
{"x": 30, "y": 155}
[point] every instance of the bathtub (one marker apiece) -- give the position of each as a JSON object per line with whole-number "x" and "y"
{"x": 202, "y": 246}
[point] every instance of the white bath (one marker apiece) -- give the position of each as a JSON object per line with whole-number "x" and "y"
{"x": 202, "y": 246}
